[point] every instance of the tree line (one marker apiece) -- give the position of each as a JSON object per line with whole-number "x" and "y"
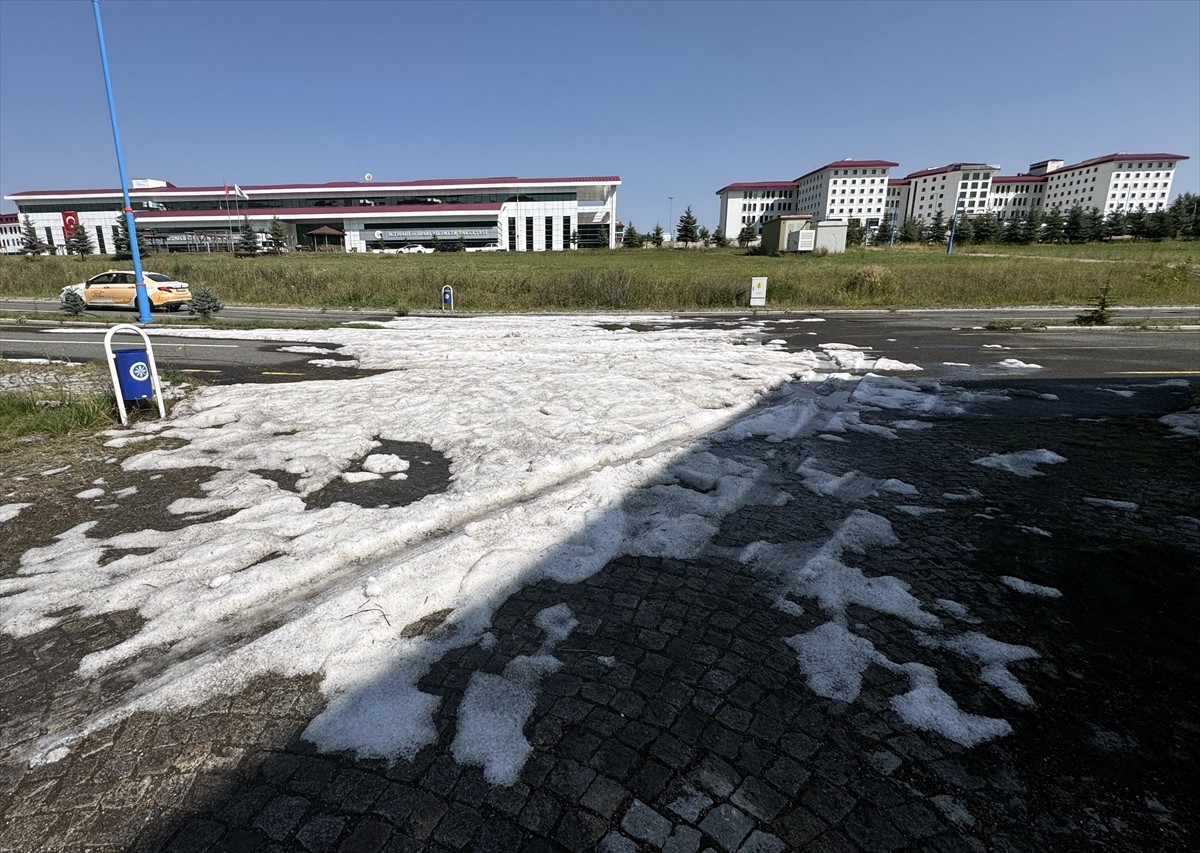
{"x": 1180, "y": 220}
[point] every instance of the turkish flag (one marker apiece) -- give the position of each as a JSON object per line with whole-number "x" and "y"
{"x": 70, "y": 219}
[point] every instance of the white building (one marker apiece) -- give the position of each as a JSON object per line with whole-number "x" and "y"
{"x": 10, "y": 234}
{"x": 1014, "y": 195}
{"x": 753, "y": 203}
{"x": 1113, "y": 182}
{"x": 846, "y": 189}
{"x": 957, "y": 187}
{"x": 520, "y": 214}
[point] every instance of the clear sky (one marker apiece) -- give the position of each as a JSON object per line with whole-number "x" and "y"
{"x": 677, "y": 98}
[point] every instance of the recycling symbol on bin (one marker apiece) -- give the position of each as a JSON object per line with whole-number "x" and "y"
{"x": 139, "y": 371}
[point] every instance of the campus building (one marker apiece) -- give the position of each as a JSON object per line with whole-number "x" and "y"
{"x": 863, "y": 190}
{"x": 518, "y": 214}
{"x": 844, "y": 189}
{"x": 10, "y": 234}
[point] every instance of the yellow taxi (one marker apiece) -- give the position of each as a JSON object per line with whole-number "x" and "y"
{"x": 118, "y": 288}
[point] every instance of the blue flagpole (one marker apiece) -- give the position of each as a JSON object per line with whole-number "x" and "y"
{"x": 143, "y": 302}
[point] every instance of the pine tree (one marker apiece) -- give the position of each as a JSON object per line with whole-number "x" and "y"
{"x": 686, "y": 230}
{"x": 746, "y": 236}
{"x": 1093, "y": 224}
{"x": 912, "y": 231}
{"x": 704, "y": 235}
{"x": 30, "y": 244}
{"x": 987, "y": 229}
{"x": 247, "y": 243}
{"x": 204, "y": 303}
{"x": 279, "y": 235}
{"x": 1185, "y": 213}
{"x": 73, "y": 303}
{"x": 855, "y": 233}
{"x": 80, "y": 241}
{"x": 1158, "y": 225}
{"x": 632, "y": 239}
{"x": 656, "y": 236}
{"x": 1115, "y": 224}
{"x": 1075, "y": 229}
{"x": 719, "y": 239}
{"x": 1136, "y": 222}
{"x": 963, "y": 230}
{"x": 936, "y": 232}
{"x": 602, "y": 237}
{"x": 883, "y": 234}
{"x": 1052, "y": 227}
{"x": 121, "y": 250}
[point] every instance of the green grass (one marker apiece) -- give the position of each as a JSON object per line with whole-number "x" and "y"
{"x": 55, "y": 400}
{"x": 663, "y": 280}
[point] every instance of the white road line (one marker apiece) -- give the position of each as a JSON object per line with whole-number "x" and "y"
{"x": 55, "y": 341}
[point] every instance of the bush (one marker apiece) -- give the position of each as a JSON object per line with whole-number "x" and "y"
{"x": 1101, "y": 313}
{"x": 872, "y": 281}
{"x": 74, "y": 304}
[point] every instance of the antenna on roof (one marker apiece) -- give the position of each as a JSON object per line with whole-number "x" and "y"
{"x": 367, "y": 177}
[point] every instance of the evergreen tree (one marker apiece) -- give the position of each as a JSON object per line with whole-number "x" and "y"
{"x": 704, "y": 235}
{"x": 80, "y": 242}
{"x": 247, "y": 243}
{"x": 936, "y": 233}
{"x": 912, "y": 231}
{"x": 602, "y": 237}
{"x": 1035, "y": 225}
{"x": 1093, "y": 224}
{"x": 964, "y": 230}
{"x": 685, "y": 232}
{"x": 279, "y": 235}
{"x": 121, "y": 249}
{"x": 656, "y": 236}
{"x": 1136, "y": 222}
{"x": 1052, "y": 227}
{"x": 632, "y": 239}
{"x": 987, "y": 229}
{"x": 1015, "y": 230}
{"x": 1115, "y": 224}
{"x": 1074, "y": 229}
{"x": 74, "y": 304}
{"x": 1158, "y": 225}
{"x": 1185, "y": 213}
{"x": 30, "y": 244}
{"x": 883, "y": 234}
{"x": 855, "y": 233}
{"x": 719, "y": 239}
{"x": 746, "y": 236}
{"x": 204, "y": 302}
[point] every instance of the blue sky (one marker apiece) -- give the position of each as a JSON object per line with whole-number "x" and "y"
{"x": 677, "y": 98}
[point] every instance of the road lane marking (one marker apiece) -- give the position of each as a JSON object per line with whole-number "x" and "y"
{"x": 1157, "y": 373}
{"x": 197, "y": 370}
{"x": 281, "y": 373}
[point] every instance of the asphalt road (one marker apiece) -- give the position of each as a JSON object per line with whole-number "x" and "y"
{"x": 232, "y": 312}
{"x": 945, "y": 344}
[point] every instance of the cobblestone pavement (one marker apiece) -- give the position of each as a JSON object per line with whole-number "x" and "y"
{"x": 680, "y": 719}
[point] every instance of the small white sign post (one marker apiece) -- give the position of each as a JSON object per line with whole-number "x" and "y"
{"x": 134, "y": 373}
{"x": 758, "y": 292}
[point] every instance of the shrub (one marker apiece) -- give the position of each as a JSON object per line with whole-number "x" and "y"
{"x": 872, "y": 281}
{"x": 74, "y": 304}
{"x": 1101, "y": 313}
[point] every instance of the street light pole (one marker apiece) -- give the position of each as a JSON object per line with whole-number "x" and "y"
{"x": 671, "y": 215}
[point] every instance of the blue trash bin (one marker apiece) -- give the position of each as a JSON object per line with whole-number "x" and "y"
{"x": 133, "y": 374}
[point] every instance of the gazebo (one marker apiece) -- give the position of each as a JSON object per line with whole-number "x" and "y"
{"x": 325, "y": 231}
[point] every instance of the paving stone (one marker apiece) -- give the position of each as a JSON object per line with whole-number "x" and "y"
{"x": 717, "y": 777}
{"x": 604, "y": 796}
{"x": 762, "y": 842}
{"x": 367, "y": 836}
{"x": 727, "y": 826}
{"x": 458, "y": 827}
{"x": 579, "y": 831}
{"x": 280, "y": 816}
{"x": 759, "y": 799}
{"x": 683, "y": 839}
{"x": 614, "y": 842}
{"x": 645, "y": 824}
{"x": 497, "y": 836}
{"x": 320, "y": 833}
{"x": 870, "y": 830}
{"x": 540, "y": 814}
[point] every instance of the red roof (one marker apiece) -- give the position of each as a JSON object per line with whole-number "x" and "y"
{"x": 8, "y": 219}
{"x": 949, "y": 167}
{"x": 758, "y": 185}
{"x": 365, "y": 210}
{"x": 333, "y": 185}
{"x": 1109, "y": 158}
{"x": 1018, "y": 179}
{"x": 852, "y": 164}
{"x": 897, "y": 182}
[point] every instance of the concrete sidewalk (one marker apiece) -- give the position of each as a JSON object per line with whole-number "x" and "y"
{"x": 682, "y": 715}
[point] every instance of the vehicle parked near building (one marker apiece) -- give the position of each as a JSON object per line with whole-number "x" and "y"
{"x": 415, "y": 250}
{"x": 119, "y": 288}
{"x": 490, "y": 247}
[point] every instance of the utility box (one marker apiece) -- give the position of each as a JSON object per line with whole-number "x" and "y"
{"x": 799, "y": 233}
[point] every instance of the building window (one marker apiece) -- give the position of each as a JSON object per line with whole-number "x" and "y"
{"x": 512, "y": 234}
{"x": 100, "y": 239}
{"x": 549, "y": 233}
{"x": 566, "y": 232}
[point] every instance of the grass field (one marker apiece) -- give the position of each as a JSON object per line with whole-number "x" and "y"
{"x": 664, "y": 280}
